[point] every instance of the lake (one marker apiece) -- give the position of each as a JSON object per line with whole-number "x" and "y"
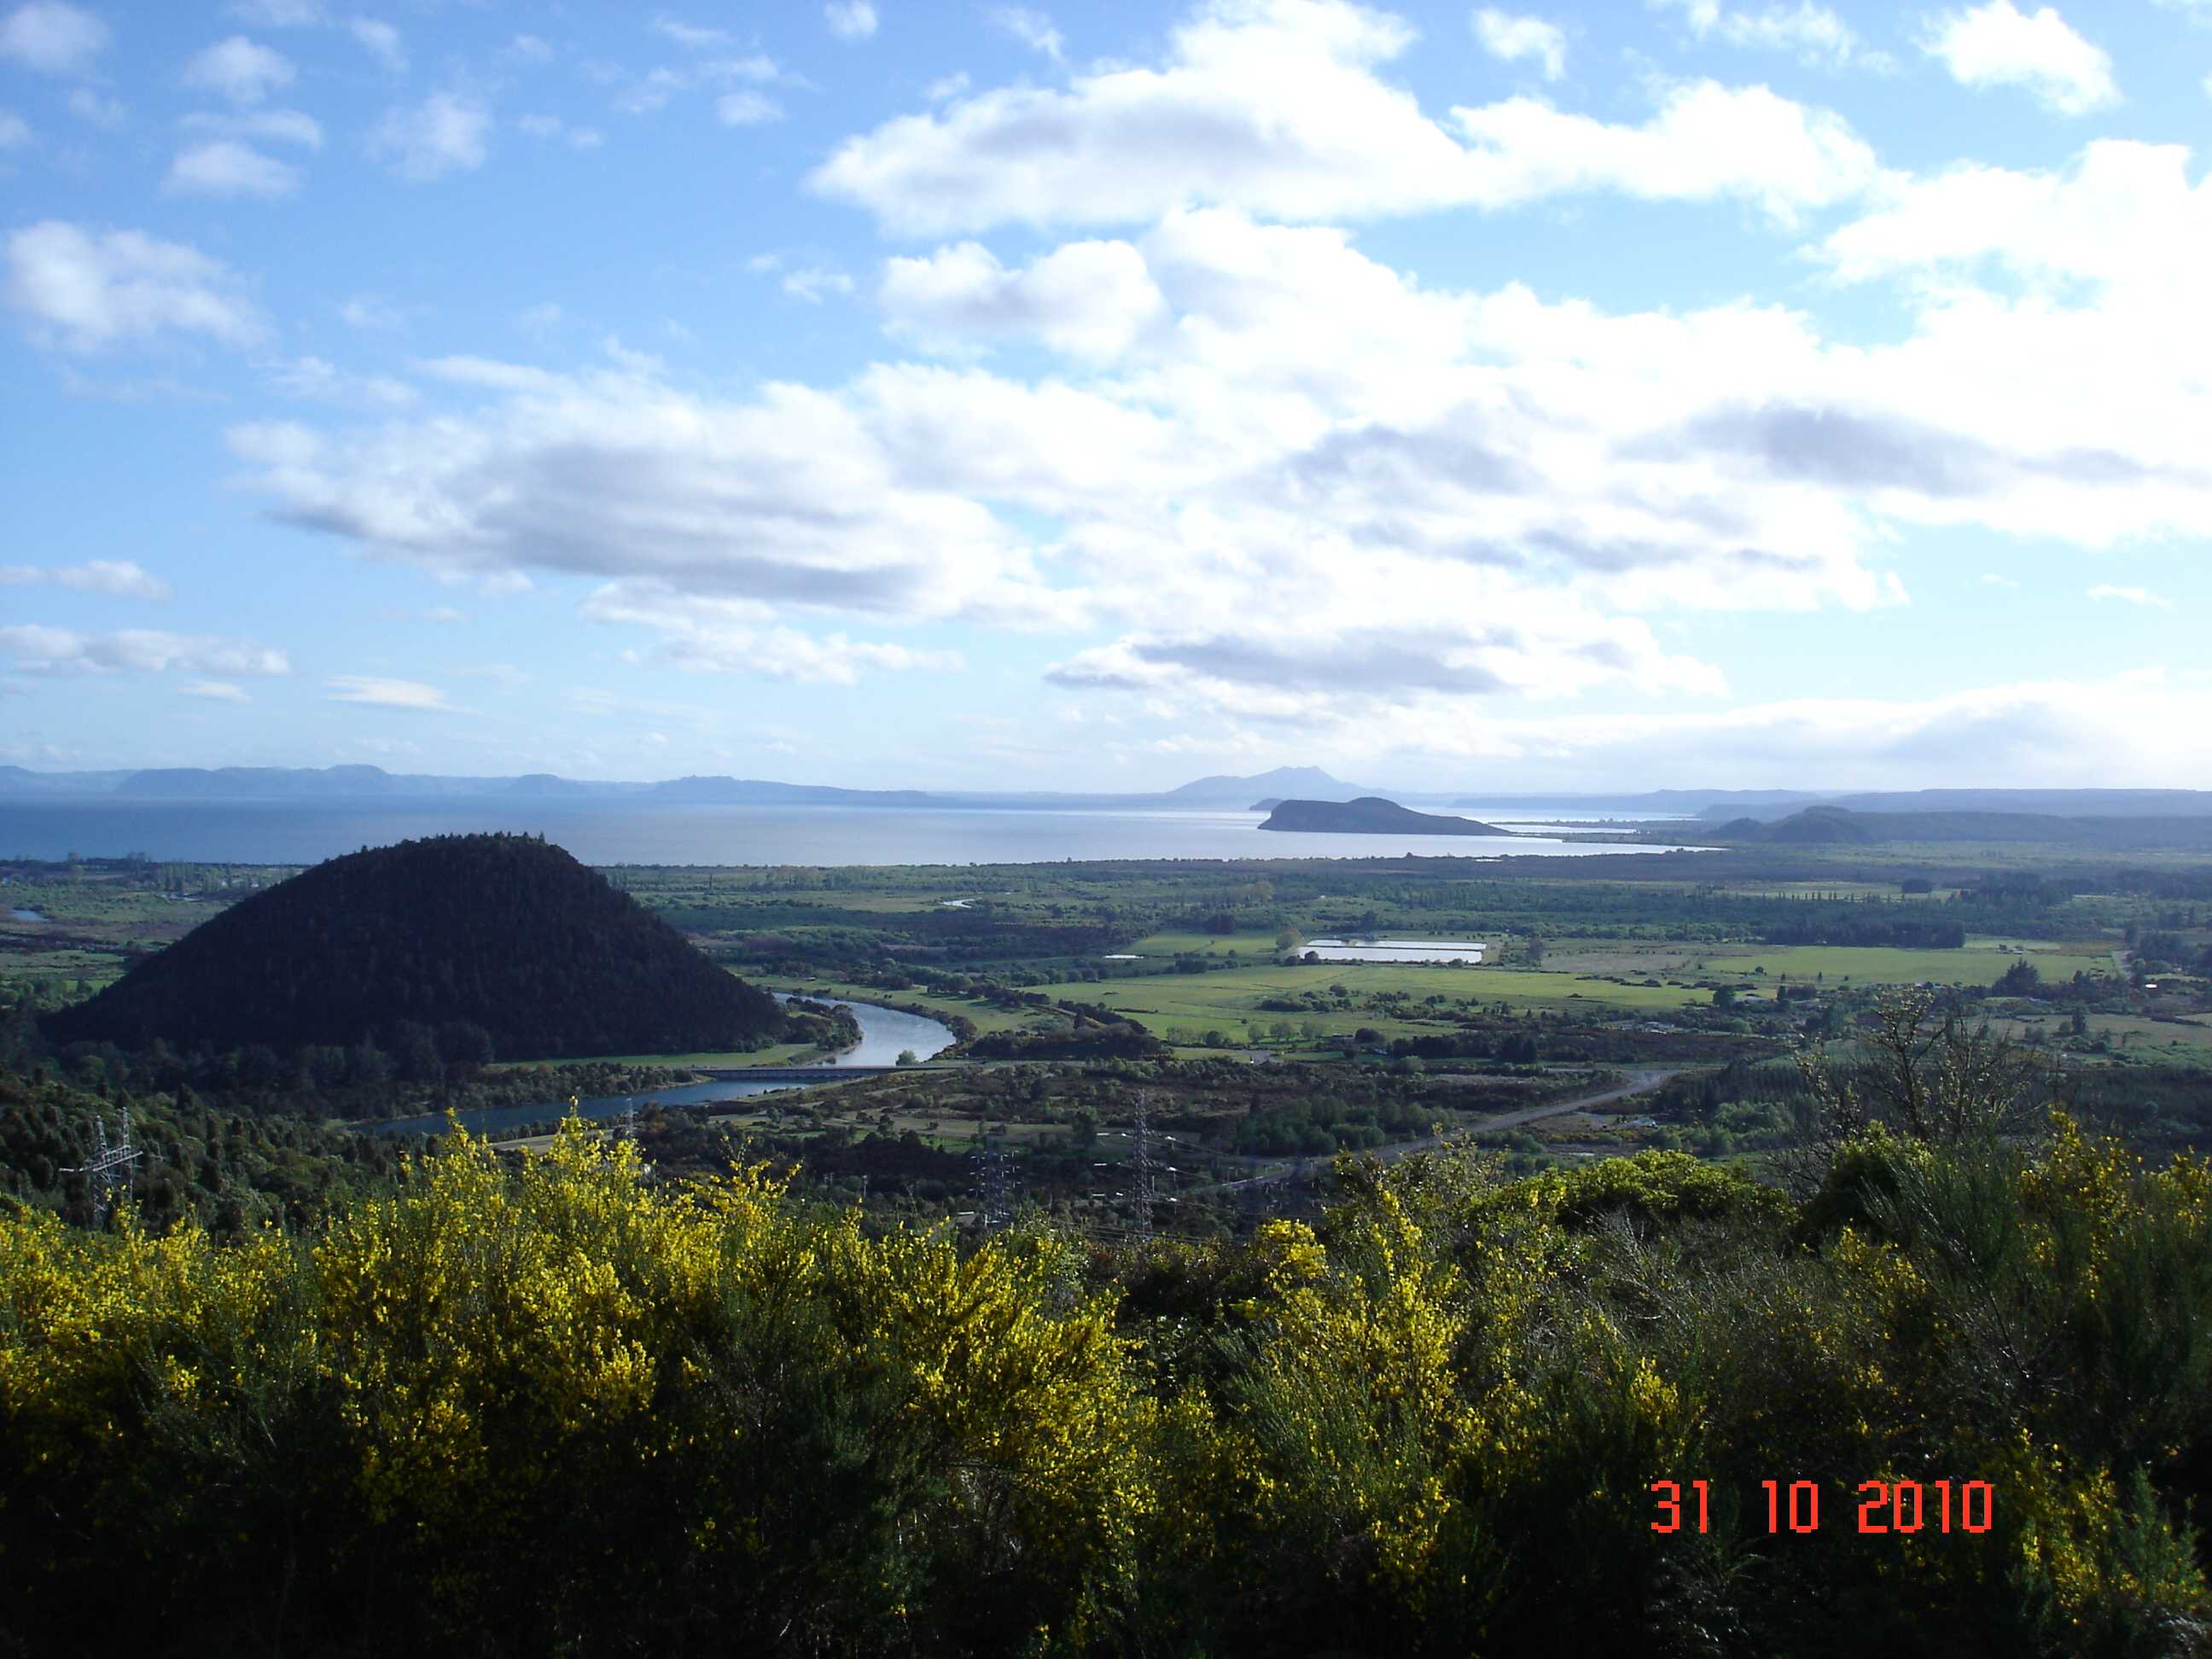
{"x": 885, "y": 1033}
{"x": 293, "y": 832}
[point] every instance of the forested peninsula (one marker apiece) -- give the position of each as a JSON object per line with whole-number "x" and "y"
{"x": 1369, "y": 815}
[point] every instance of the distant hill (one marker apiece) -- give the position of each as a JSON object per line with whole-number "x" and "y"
{"x": 504, "y": 933}
{"x": 1371, "y": 815}
{"x": 1840, "y": 826}
{"x": 1284, "y": 783}
{"x": 757, "y": 792}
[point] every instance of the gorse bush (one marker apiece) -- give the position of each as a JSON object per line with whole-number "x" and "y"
{"x": 557, "y": 1407}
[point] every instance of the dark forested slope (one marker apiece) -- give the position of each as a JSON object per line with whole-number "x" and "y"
{"x": 503, "y": 933}
{"x": 1369, "y": 815}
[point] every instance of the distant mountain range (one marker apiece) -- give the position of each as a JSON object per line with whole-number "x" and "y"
{"x": 1261, "y": 792}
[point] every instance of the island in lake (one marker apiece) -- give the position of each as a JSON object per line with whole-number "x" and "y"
{"x": 1369, "y": 815}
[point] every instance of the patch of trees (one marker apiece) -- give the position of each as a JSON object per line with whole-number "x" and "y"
{"x": 549, "y": 1406}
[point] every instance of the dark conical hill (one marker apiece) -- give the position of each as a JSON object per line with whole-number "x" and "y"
{"x": 503, "y": 932}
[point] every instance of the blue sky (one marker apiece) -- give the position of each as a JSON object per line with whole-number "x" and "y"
{"x": 1095, "y": 397}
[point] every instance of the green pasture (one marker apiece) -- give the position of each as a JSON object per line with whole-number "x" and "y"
{"x": 1228, "y": 999}
{"x": 1879, "y": 965}
{"x": 1249, "y": 943}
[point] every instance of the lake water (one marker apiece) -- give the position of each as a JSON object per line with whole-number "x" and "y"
{"x": 292, "y": 832}
{"x": 25, "y": 915}
{"x": 885, "y": 1033}
{"x": 1397, "y": 950}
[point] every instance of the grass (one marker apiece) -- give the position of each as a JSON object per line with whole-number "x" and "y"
{"x": 1877, "y": 965}
{"x": 1185, "y": 1004}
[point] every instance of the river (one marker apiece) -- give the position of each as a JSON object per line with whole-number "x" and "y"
{"x": 885, "y": 1033}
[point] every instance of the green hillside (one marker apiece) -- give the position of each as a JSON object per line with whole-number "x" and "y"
{"x": 502, "y": 933}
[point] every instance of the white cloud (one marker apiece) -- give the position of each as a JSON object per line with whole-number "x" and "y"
{"x": 1088, "y": 298}
{"x": 530, "y": 49}
{"x": 552, "y": 127}
{"x": 382, "y": 41}
{"x": 1812, "y": 34}
{"x": 39, "y": 649}
{"x": 727, "y": 637}
{"x": 690, "y": 36}
{"x": 1997, "y": 45}
{"x": 746, "y": 108}
{"x": 120, "y": 577}
{"x": 240, "y": 69}
{"x": 216, "y": 691}
{"x": 1032, "y": 29}
{"x": 2137, "y": 596}
{"x": 227, "y": 167}
{"x": 278, "y": 14}
{"x": 317, "y": 380}
{"x": 850, "y": 20}
{"x": 1512, "y": 39}
{"x": 51, "y": 38}
{"x": 366, "y": 311}
{"x": 1260, "y": 423}
{"x": 386, "y": 693}
{"x": 14, "y": 129}
{"x": 811, "y": 282}
{"x": 85, "y": 289}
{"x": 98, "y": 108}
{"x": 445, "y": 133}
{"x": 1276, "y": 107}
{"x": 288, "y": 126}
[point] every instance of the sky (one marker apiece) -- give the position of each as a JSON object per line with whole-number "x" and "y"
{"x": 1690, "y": 393}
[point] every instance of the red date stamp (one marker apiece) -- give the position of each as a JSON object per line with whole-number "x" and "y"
{"x": 1884, "y": 1506}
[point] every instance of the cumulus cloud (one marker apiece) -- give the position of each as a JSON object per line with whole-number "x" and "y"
{"x": 242, "y": 70}
{"x": 2137, "y": 596}
{"x": 216, "y": 691}
{"x": 729, "y": 636}
{"x": 1512, "y": 39}
{"x": 386, "y": 693}
{"x": 118, "y": 576}
{"x": 447, "y": 132}
{"x": 84, "y": 290}
{"x": 1279, "y": 107}
{"x": 318, "y": 380}
{"x": 51, "y": 38}
{"x": 227, "y": 167}
{"x": 38, "y": 649}
{"x": 1032, "y": 29}
{"x": 1088, "y": 298}
{"x": 278, "y": 14}
{"x": 746, "y": 107}
{"x": 286, "y": 126}
{"x": 810, "y": 282}
{"x": 1812, "y": 34}
{"x": 1997, "y": 45}
{"x": 15, "y": 131}
{"x": 1217, "y": 418}
{"x": 850, "y": 20}
{"x": 382, "y": 41}
{"x": 553, "y": 127}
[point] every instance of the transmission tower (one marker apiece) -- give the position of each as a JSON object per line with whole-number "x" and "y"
{"x": 1144, "y": 1179}
{"x": 108, "y": 1171}
{"x": 994, "y": 1184}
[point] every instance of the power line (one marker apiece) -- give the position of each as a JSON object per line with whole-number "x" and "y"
{"x": 109, "y": 1172}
